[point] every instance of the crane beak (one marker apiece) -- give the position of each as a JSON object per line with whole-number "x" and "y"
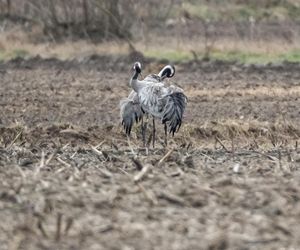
{"x": 163, "y": 78}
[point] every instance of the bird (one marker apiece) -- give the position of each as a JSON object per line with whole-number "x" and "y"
{"x": 130, "y": 108}
{"x": 167, "y": 103}
{"x": 167, "y": 72}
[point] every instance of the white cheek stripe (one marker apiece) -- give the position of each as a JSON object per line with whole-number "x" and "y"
{"x": 172, "y": 71}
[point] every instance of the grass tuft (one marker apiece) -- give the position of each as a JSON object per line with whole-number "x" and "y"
{"x": 6, "y": 55}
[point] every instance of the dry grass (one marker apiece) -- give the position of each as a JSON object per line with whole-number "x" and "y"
{"x": 261, "y": 92}
{"x": 178, "y": 50}
{"x": 265, "y": 134}
{"x": 17, "y": 39}
{"x": 70, "y": 179}
{"x": 275, "y": 46}
{"x": 66, "y": 204}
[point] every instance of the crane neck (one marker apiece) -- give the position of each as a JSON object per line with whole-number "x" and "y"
{"x": 134, "y": 81}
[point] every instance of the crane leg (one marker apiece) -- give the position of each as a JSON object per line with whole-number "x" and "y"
{"x": 153, "y": 134}
{"x": 143, "y": 132}
{"x": 166, "y": 135}
{"x": 144, "y": 129}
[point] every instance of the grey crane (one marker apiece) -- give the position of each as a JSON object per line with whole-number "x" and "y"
{"x": 130, "y": 108}
{"x": 165, "y": 103}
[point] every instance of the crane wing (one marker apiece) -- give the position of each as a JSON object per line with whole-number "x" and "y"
{"x": 130, "y": 112}
{"x": 173, "y": 110}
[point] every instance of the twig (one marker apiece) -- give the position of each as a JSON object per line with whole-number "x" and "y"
{"x": 232, "y": 146}
{"x": 165, "y": 157}
{"x": 106, "y": 228}
{"x": 172, "y": 198}
{"x": 63, "y": 162}
{"x": 65, "y": 146}
{"x": 69, "y": 224}
{"x": 51, "y": 157}
{"x": 149, "y": 195}
{"x": 125, "y": 172}
{"x": 279, "y": 159}
{"x": 142, "y": 173}
{"x": 105, "y": 173}
{"x": 98, "y": 152}
{"x": 178, "y": 172}
{"x": 41, "y": 228}
{"x": 42, "y": 164}
{"x": 114, "y": 146}
{"x": 14, "y": 140}
{"x": 100, "y": 144}
{"x": 221, "y": 143}
{"x": 272, "y": 158}
{"x": 73, "y": 155}
{"x": 208, "y": 189}
{"x": 208, "y": 157}
{"x": 188, "y": 146}
{"x": 73, "y": 132}
{"x": 58, "y": 171}
{"x": 58, "y": 226}
{"x": 130, "y": 146}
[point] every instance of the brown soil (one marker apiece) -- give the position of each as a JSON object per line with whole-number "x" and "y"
{"x": 69, "y": 178}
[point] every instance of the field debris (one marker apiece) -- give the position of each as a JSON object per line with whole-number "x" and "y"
{"x": 70, "y": 178}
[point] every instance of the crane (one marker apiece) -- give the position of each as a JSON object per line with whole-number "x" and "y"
{"x": 130, "y": 108}
{"x": 152, "y": 97}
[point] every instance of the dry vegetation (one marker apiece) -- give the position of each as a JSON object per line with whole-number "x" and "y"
{"x": 250, "y": 32}
{"x": 70, "y": 179}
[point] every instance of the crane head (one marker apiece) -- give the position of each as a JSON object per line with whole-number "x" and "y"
{"x": 167, "y": 71}
{"x": 137, "y": 67}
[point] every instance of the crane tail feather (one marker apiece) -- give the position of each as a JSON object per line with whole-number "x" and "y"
{"x": 173, "y": 112}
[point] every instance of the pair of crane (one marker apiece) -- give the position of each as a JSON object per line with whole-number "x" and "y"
{"x": 152, "y": 97}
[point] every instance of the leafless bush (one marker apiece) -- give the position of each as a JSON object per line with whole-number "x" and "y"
{"x": 99, "y": 19}
{"x": 92, "y": 19}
